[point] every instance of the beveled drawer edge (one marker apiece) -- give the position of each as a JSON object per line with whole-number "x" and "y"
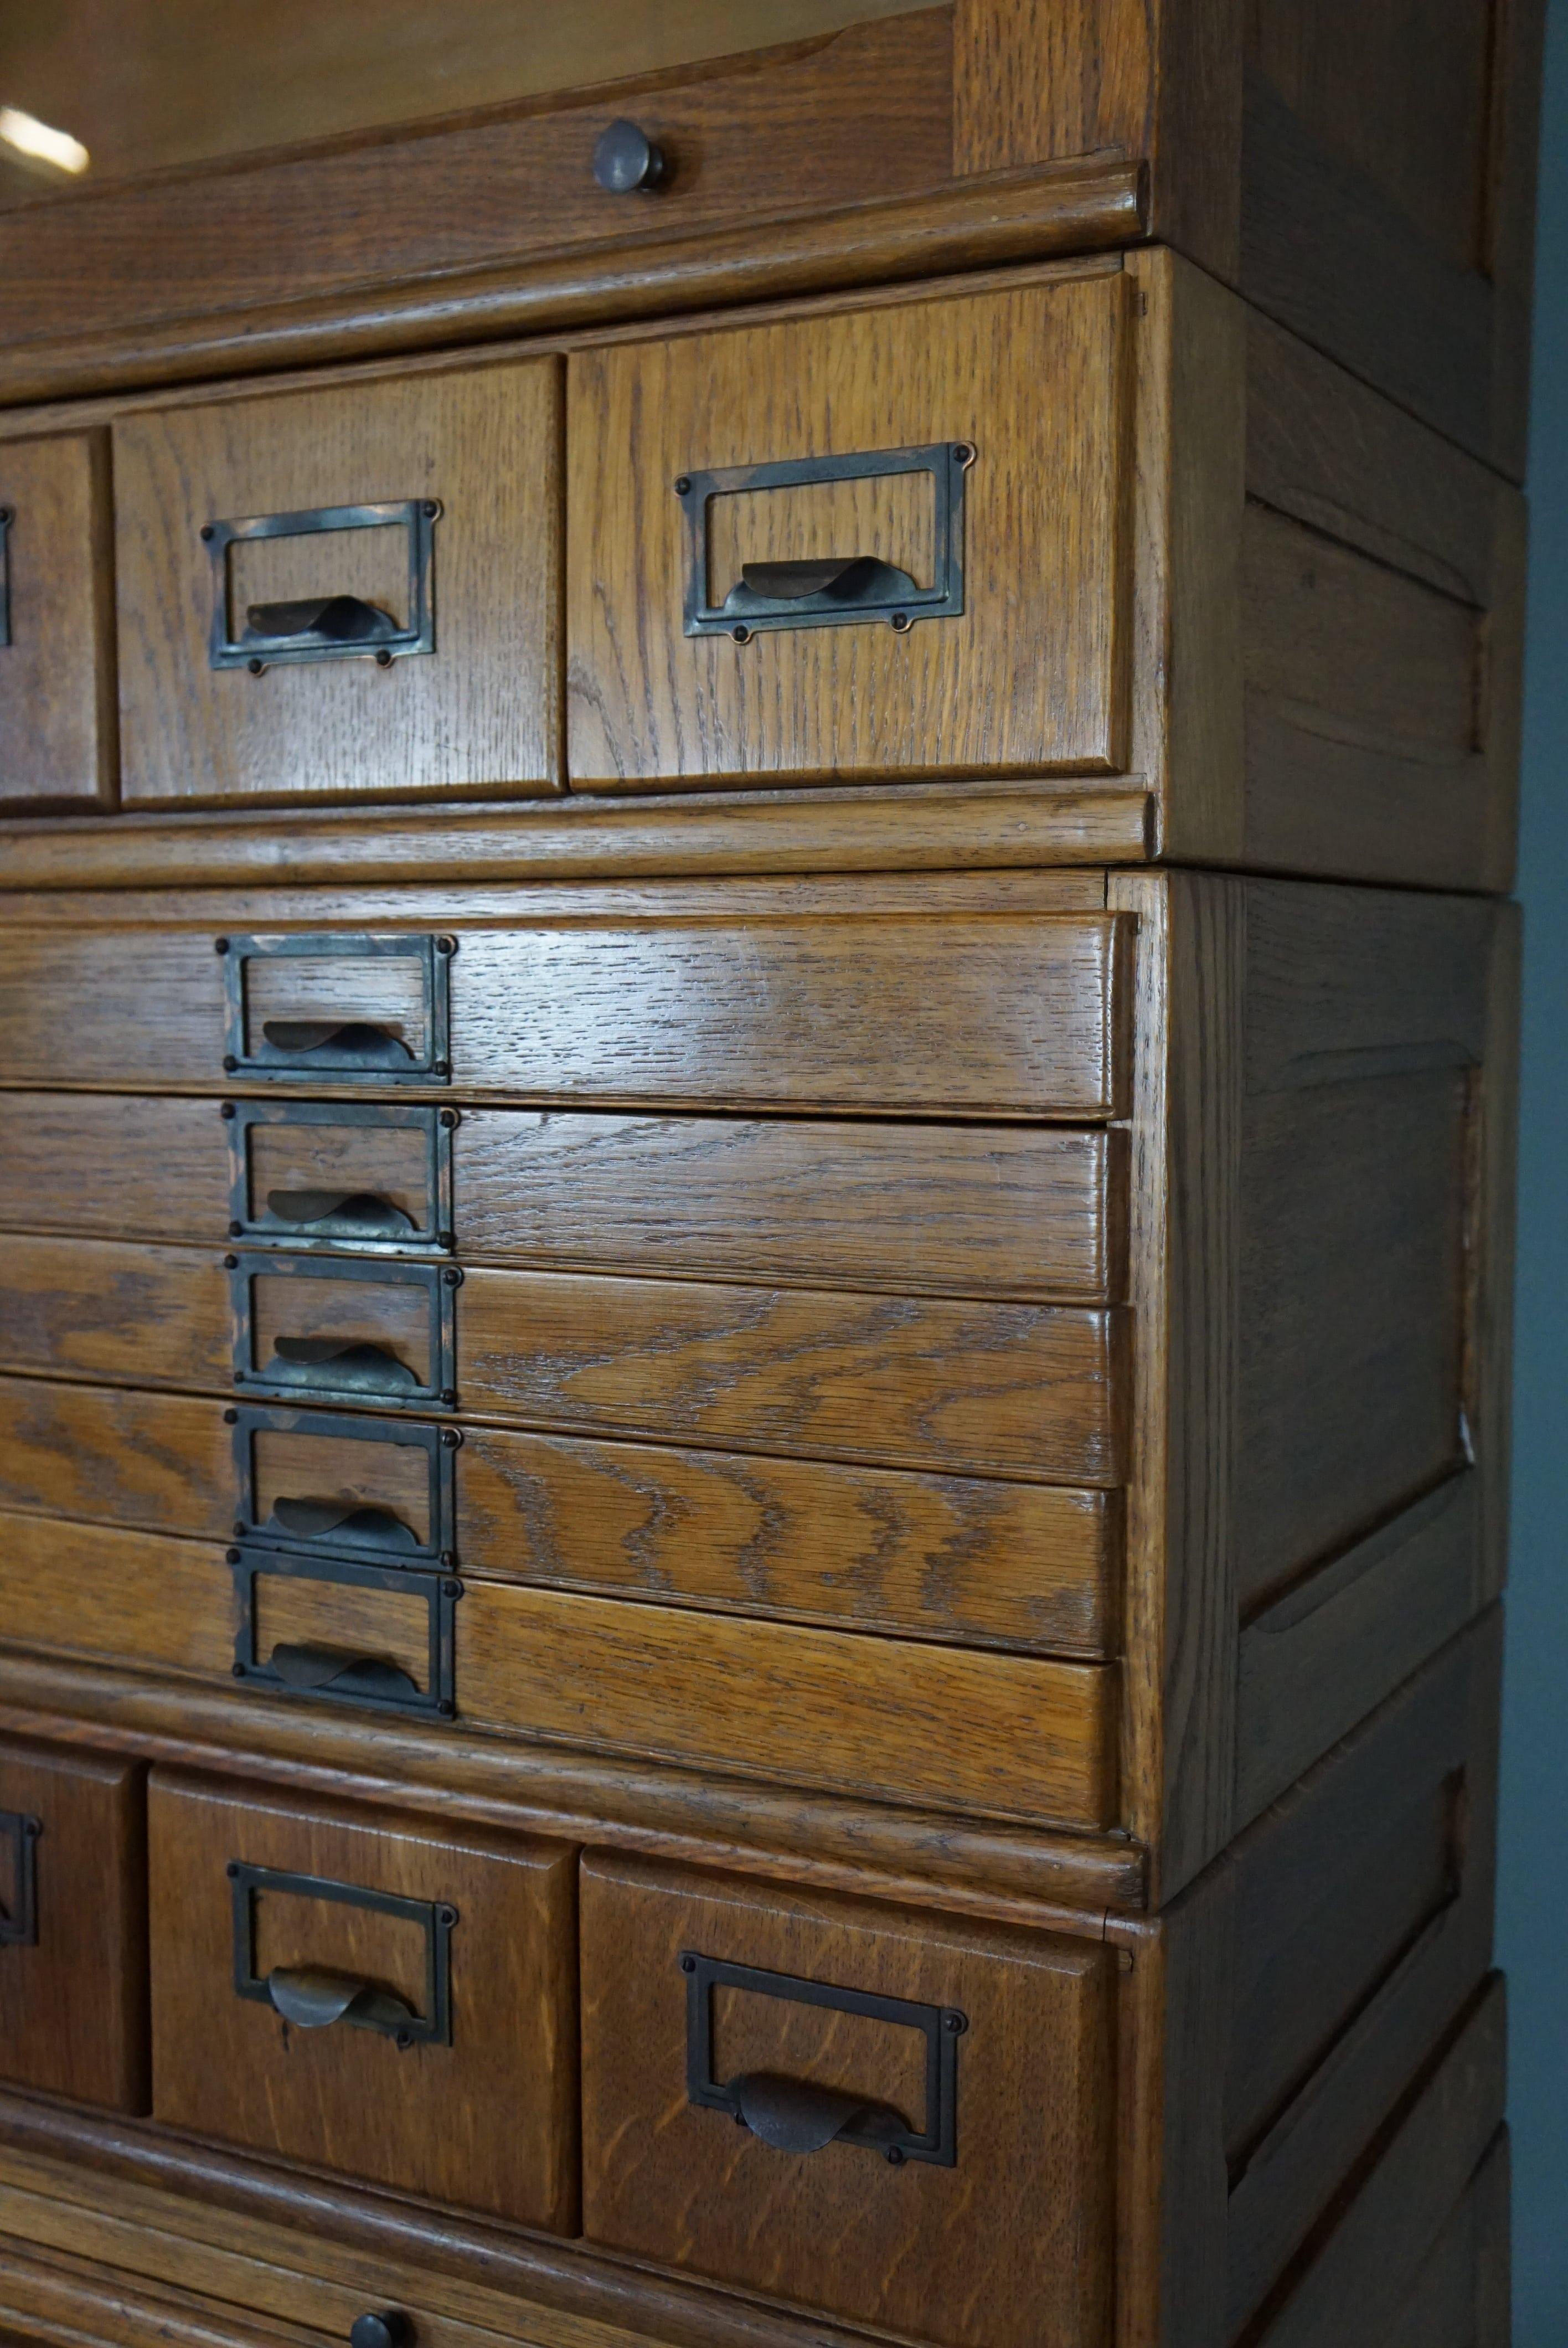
{"x": 940, "y": 828}
{"x": 1073, "y": 1882}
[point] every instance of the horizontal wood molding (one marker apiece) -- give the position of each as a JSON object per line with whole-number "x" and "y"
{"x": 912, "y": 829}
{"x": 1061, "y": 1882}
{"x": 1088, "y": 204}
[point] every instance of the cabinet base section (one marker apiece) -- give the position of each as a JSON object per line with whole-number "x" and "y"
{"x": 113, "y": 2236}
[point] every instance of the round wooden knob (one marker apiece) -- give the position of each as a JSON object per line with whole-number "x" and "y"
{"x": 625, "y": 160}
{"x": 381, "y": 2327}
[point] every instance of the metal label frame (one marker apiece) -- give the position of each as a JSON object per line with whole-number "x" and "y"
{"x": 271, "y": 1064}
{"x": 436, "y": 1235}
{"x": 8, "y": 516}
{"x": 946, "y": 461}
{"x": 439, "y": 1444}
{"x": 438, "y": 1698}
{"x": 440, "y": 1283}
{"x": 255, "y": 652}
{"x": 942, "y": 2026}
{"x": 19, "y": 1922}
{"x": 433, "y": 2026}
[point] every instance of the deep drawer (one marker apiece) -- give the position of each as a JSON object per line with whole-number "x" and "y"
{"x": 982, "y": 2060}
{"x": 73, "y": 1925}
{"x": 351, "y": 1989}
{"x": 56, "y": 658}
{"x": 342, "y": 590}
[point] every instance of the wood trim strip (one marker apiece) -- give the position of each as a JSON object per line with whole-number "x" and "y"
{"x": 1089, "y": 204}
{"x": 1318, "y": 1660}
{"x": 562, "y": 2292}
{"x": 936, "y": 829}
{"x": 924, "y": 1859}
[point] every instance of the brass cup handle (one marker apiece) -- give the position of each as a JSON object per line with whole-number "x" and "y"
{"x": 358, "y": 1042}
{"x": 312, "y": 1998}
{"x": 307, "y": 1668}
{"x": 352, "y": 1214}
{"x": 382, "y": 2327}
{"x": 795, "y": 2115}
{"x": 336, "y": 1364}
{"x": 364, "y": 1526}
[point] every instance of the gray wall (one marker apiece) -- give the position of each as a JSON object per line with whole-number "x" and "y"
{"x": 1532, "y": 1918}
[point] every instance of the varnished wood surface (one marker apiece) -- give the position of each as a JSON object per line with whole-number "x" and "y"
{"x": 745, "y": 135}
{"x": 112, "y": 1166}
{"x": 947, "y": 1556}
{"x": 649, "y": 704}
{"x": 1354, "y": 2288}
{"x": 57, "y": 744}
{"x": 1015, "y": 2238}
{"x": 1020, "y": 1390}
{"x": 73, "y": 2005}
{"x": 922, "y": 1857}
{"x": 1000, "y": 1734}
{"x": 481, "y": 712}
{"x": 1085, "y": 203}
{"x": 488, "y": 2120}
{"x": 827, "y": 1011}
{"x": 810, "y": 830}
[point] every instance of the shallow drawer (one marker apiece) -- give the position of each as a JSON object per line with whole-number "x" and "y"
{"x": 345, "y": 590}
{"x": 926, "y": 2110}
{"x": 348, "y": 1989}
{"x": 1013, "y": 1014}
{"x": 56, "y": 658}
{"x": 1027, "y": 1390}
{"x": 943, "y": 1727}
{"x": 964, "y": 1209}
{"x": 968, "y": 1559}
{"x": 73, "y": 1925}
{"x": 816, "y": 548}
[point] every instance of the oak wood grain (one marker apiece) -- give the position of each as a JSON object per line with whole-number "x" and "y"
{"x": 647, "y": 703}
{"x": 960, "y": 828}
{"x": 73, "y": 2003}
{"x": 1028, "y": 1390}
{"x": 481, "y": 712}
{"x": 1000, "y": 1734}
{"x": 950, "y": 1558}
{"x": 134, "y": 1315}
{"x": 1015, "y": 2239}
{"x": 961, "y": 1208}
{"x": 118, "y": 1595}
{"x": 231, "y": 2067}
{"x": 56, "y": 666}
{"x": 826, "y": 1010}
{"x": 112, "y": 1166}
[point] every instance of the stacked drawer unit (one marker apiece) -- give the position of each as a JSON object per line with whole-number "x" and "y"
{"x": 752, "y": 1489}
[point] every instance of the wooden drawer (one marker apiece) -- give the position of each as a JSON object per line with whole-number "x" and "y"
{"x": 966, "y": 461}
{"x": 965, "y": 1560}
{"x": 810, "y": 550}
{"x": 1031, "y": 1390}
{"x": 286, "y": 635}
{"x": 960, "y": 1209}
{"x": 56, "y": 655}
{"x": 360, "y": 1993}
{"x": 753, "y": 1008}
{"x": 951, "y": 2088}
{"x": 73, "y": 1925}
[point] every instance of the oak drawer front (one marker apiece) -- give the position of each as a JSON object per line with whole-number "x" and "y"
{"x": 943, "y": 1727}
{"x": 347, "y": 1989}
{"x": 838, "y": 2027}
{"x": 1003, "y": 1013}
{"x": 1020, "y": 1212}
{"x": 1036, "y": 1391}
{"x": 814, "y": 548}
{"x": 962, "y": 1559}
{"x": 56, "y": 655}
{"x": 342, "y": 591}
{"x": 73, "y": 1925}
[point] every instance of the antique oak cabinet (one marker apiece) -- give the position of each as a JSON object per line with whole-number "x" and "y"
{"x": 756, "y": 1082}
